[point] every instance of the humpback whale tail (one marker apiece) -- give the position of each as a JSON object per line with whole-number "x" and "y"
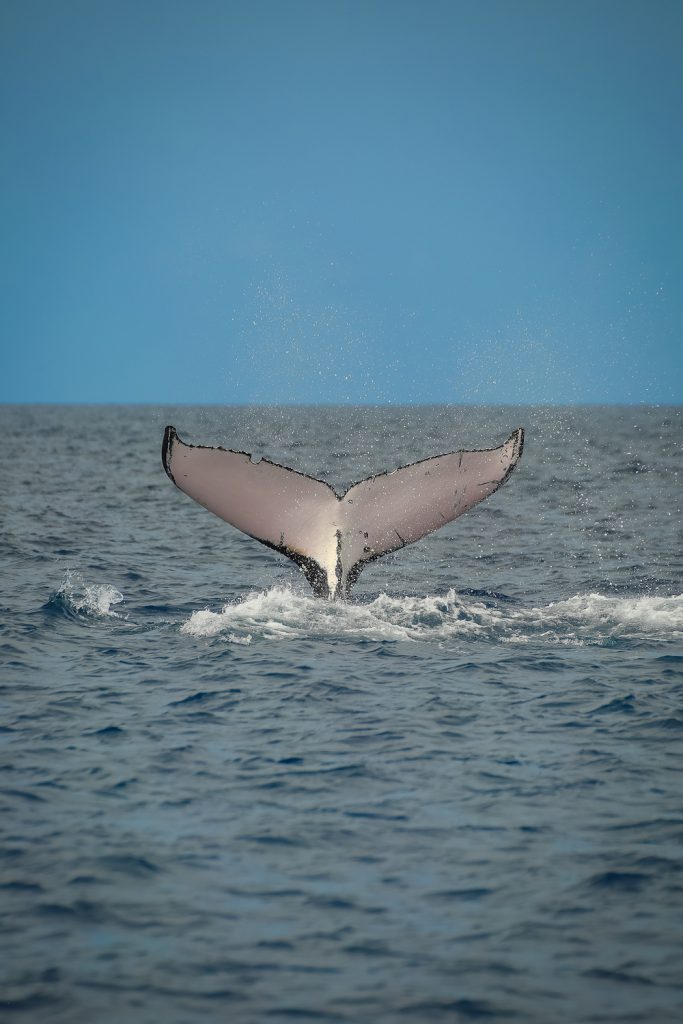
{"x": 332, "y": 537}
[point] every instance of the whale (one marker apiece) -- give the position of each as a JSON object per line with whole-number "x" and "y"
{"x": 330, "y": 536}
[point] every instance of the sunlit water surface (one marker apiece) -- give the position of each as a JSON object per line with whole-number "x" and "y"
{"x": 457, "y": 797}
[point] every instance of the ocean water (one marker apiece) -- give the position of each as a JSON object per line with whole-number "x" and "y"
{"x": 457, "y": 797}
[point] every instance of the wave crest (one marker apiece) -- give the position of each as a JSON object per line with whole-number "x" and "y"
{"x": 79, "y": 599}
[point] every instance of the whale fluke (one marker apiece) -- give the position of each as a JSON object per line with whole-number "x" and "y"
{"x": 332, "y": 537}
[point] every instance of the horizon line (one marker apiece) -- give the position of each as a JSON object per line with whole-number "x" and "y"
{"x": 342, "y": 405}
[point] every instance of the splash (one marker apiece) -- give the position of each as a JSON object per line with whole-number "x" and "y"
{"x": 280, "y": 613}
{"x": 647, "y": 617}
{"x": 79, "y": 599}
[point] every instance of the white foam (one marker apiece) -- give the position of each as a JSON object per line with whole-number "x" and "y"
{"x": 619, "y": 616}
{"x": 280, "y": 613}
{"x": 95, "y": 599}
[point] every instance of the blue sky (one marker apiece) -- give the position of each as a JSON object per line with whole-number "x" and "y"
{"x": 341, "y": 201}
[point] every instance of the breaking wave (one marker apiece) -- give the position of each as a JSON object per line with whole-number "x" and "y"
{"x": 593, "y": 619}
{"x": 78, "y": 599}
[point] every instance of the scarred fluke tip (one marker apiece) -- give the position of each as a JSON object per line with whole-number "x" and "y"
{"x": 166, "y": 449}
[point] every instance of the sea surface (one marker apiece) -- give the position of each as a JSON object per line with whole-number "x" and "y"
{"x": 458, "y": 797}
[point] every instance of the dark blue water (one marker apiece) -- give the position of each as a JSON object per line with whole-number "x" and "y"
{"x": 458, "y": 797}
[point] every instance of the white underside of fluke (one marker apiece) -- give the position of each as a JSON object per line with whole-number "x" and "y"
{"x": 332, "y": 537}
